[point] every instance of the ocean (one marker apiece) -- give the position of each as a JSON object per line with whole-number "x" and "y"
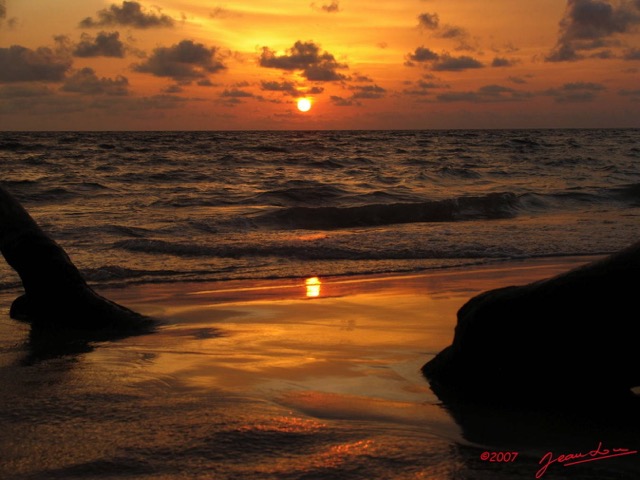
{"x": 244, "y": 379}
{"x": 151, "y": 207}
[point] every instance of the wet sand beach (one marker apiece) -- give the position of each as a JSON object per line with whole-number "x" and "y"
{"x": 279, "y": 379}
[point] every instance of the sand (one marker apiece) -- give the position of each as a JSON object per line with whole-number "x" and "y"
{"x": 270, "y": 379}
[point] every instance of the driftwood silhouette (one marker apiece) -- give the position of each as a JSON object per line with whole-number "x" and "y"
{"x": 56, "y": 295}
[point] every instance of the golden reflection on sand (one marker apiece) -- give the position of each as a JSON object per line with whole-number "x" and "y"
{"x": 313, "y": 287}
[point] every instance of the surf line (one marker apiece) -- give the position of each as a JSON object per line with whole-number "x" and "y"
{"x": 569, "y": 459}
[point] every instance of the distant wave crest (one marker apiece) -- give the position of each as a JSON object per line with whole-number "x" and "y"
{"x": 491, "y": 206}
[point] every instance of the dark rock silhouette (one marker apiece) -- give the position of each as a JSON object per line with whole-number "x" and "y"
{"x": 56, "y": 296}
{"x": 569, "y": 339}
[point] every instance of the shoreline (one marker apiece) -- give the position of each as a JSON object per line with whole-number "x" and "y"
{"x": 261, "y": 364}
{"x": 249, "y": 290}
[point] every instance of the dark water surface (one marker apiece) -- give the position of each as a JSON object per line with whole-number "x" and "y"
{"x": 173, "y": 206}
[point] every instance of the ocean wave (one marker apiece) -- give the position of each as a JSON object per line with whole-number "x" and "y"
{"x": 491, "y": 206}
{"x": 303, "y": 192}
{"x": 328, "y": 251}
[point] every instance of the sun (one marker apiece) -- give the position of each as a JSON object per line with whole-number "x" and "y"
{"x": 304, "y": 104}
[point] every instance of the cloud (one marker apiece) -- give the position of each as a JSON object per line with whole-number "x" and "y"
{"x": 430, "y": 21}
{"x": 604, "y": 55}
{"x": 592, "y": 24}
{"x": 503, "y": 62}
{"x": 454, "y": 64}
{"x": 104, "y": 45}
{"x": 517, "y": 80}
{"x": 333, "y": 7}
{"x": 575, "y": 92}
{"x": 185, "y": 61}
{"x": 344, "y": 102}
{"x": 3, "y": 10}
{"x": 161, "y": 102}
{"x": 173, "y": 89}
{"x": 420, "y": 55}
{"x": 305, "y": 56}
{"x": 14, "y": 91}
{"x": 425, "y": 87}
{"x": 285, "y": 87}
{"x": 86, "y": 82}
{"x": 368, "y": 92}
{"x": 451, "y": 31}
{"x": 361, "y": 78}
{"x": 360, "y": 92}
{"x": 130, "y": 14}
{"x": 21, "y": 64}
{"x": 486, "y": 94}
{"x": 236, "y": 93}
{"x": 441, "y": 62}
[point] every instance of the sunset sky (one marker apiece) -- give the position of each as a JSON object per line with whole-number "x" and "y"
{"x": 402, "y": 64}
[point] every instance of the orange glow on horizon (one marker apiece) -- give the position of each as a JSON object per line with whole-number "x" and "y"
{"x": 175, "y": 65}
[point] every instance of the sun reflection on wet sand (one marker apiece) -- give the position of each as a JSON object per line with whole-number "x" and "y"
{"x": 313, "y": 287}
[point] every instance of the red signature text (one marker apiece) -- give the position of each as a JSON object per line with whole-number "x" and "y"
{"x": 568, "y": 459}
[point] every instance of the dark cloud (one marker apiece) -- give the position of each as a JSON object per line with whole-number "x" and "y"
{"x": 603, "y": 55}
{"x": 289, "y": 88}
{"x": 344, "y": 102}
{"x": 185, "y": 61}
{"x": 450, "y": 31}
{"x": 503, "y": 62}
{"x": 592, "y": 24}
{"x": 430, "y": 21}
{"x": 37, "y": 105}
{"x": 130, "y": 14}
{"x": 441, "y": 62}
{"x": 333, "y": 7}
{"x": 420, "y": 55}
{"x": 307, "y": 57}
{"x": 86, "y": 82}
{"x": 3, "y": 10}
{"x": 361, "y": 78}
{"x": 454, "y": 64}
{"x": 236, "y": 93}
{"x": 517, "y": 80}
{"x": 205, "y": 82}
{"x": 232, "y": 97}
{"x": 426, "y": 86}
{"x": 284, "y": 87}
{"x": 486, "y": 94}
{"x": 368, "y": 92}
{"x": 21, "y": 64}
{"x": 103, "y": 45}
{"x": 575, "y": 92}
{"x": 160, "y": 102}
{"x": 173, "y": 89}
{"x": 24, "y": 91}
{"x": 360, "y": 92}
